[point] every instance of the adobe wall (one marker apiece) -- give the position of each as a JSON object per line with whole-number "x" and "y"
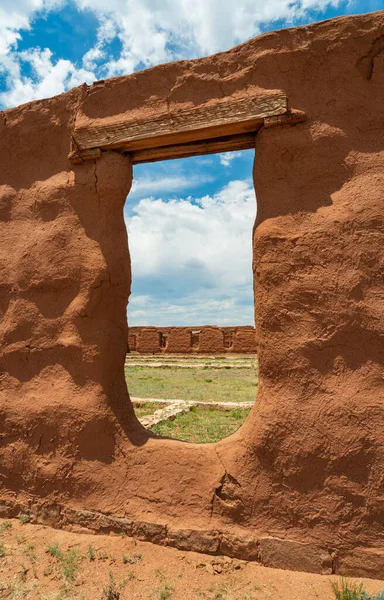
{"x": 301, "y": 484}
{"x": 206, "y": 339}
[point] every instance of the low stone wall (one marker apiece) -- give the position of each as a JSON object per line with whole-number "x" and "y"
{"x": 235, "y": 541}
{"x": 192, "y": 340}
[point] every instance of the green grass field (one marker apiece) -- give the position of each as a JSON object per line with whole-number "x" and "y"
{"x": 148, "y": 408}
{"x": 202, "y": 424}
{"x": 206, "y": 382}
{"x": 217, "y": 385}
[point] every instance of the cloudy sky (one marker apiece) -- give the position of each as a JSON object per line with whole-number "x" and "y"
{"x": 189, "y": 221}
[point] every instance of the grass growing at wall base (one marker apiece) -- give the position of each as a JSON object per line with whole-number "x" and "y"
{"x": 202, "y": 424}
{"x": 350, "y": 590}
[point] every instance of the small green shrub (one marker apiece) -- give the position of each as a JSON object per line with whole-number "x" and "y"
{"x": 379, "y": 596}
{"x": 5, "y": 525}
{"x": 91, "y": 553}
{"x": 131, "y": 560}
{"x": 68, "y": 561}
{"x": 54, "y": 550}
{"x": 21, "y": 539}
{"x": 70, "y": 564}
{"x": 165, "y": 591}
{"x": 111, "y": 590}
{"x": 347, "y": 590}
{"x": 29, "y": 552}
{"x": 2, "y": 551}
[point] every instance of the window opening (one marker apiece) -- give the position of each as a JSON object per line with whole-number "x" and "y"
{"x": 228, "y": 343}
{"x": 195, "y": 335}
{"x": 190, "y": 233}
{"x": 163, "y": 340}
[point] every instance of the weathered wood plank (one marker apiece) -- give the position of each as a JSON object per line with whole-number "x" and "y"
{"x": 292, "y": 118}
{"x": 77, "y": 156}
{"x": 229, "y": 117}
{"x": 226, "y": 144}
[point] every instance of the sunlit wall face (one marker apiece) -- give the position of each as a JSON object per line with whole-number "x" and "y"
{"x": 189, "y": 227}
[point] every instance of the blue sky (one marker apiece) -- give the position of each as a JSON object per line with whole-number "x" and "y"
{"x": 189, "y": 221}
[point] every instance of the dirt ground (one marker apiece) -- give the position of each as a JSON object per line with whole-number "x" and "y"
{"x": 37, "y": 562}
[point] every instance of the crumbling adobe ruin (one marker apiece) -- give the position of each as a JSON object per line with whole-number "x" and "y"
{"x": 192, "y": 340}
{"x": 301, "y": 484}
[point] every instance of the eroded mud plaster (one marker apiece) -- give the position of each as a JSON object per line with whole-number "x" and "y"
{"x": 301, "y": 484}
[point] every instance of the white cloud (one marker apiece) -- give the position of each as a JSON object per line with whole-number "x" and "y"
{"x": 48, "y": 78}
{"x": 16, "y": 16}
{"x": 106, "y": 34}
{"x": 152, "y": 32}
{"x": 227, "y": 157}
{"x": 149, "y": 32}
{"x": 93, "y": 56}
{"x": 193, "y": 310}
{"x": 193, "y": 257}
{"x": 144, "y": 186}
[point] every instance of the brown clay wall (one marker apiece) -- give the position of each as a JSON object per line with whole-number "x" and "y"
{"x": 192, "y": 340}
{"x": 300, "y": 485}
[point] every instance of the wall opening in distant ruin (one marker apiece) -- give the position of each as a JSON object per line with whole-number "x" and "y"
{"x": 228, "y": 340}
{"x": 195, "y": 338}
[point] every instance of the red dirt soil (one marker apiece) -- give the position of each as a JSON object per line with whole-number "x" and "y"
{"x": 152, "y": 569}
{"x": 301, "y": 484}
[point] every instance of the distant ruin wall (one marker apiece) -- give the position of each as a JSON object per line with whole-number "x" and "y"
{"x": 192, "y": 340}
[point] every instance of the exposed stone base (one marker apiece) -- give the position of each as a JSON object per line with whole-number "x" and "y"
{"x": 269, "y": 551}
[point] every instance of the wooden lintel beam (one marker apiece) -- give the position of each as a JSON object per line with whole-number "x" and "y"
{"x": 77, "y": 157}
{"x": 225, "y": 144}
{"x": 228, "y": 117}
